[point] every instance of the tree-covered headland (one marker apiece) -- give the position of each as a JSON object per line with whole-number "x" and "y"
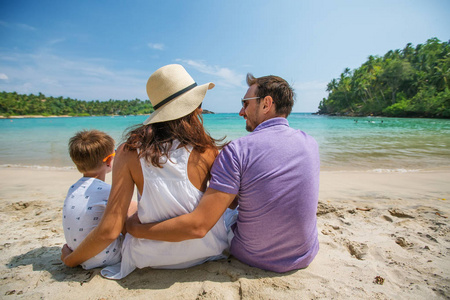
{"x": 412, "y": 82}
{"x": 13, "y": 104}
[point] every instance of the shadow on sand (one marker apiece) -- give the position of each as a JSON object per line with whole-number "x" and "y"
{"x": 225, "y": 270}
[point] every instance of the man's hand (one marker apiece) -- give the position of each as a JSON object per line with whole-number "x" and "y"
{"x": 65, "y": 251}
{"x": 131, "y": 224}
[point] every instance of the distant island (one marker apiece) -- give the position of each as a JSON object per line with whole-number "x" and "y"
{"x": 16, "y": 105}
{"x": 412, "y": 82}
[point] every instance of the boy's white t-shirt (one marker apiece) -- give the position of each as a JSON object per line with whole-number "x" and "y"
{"x": 82, "y": 211}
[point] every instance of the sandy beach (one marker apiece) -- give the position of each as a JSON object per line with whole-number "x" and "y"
{"x": 383, "y": 235}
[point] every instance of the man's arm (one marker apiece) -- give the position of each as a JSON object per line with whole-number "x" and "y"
{"x": 194, "y": 225}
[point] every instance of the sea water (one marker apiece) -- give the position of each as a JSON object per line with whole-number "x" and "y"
{"x": 345, "y": 143}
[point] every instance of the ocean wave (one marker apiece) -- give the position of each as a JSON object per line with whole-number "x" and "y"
{"x": 393, "y": 170}
{"x": 37, "y": 167}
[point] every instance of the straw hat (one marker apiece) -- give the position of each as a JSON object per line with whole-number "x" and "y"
{"x": 173, "y": 94}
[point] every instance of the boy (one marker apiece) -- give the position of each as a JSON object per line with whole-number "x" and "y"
{"x": 92, "y": 151}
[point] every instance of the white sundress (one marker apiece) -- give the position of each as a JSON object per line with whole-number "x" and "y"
{"x": 168, "y": 193}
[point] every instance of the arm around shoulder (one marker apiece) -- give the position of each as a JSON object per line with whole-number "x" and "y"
{"x": 189, "y": 226}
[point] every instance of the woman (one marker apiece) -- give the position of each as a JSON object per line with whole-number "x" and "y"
{"x": 168, "y": 159}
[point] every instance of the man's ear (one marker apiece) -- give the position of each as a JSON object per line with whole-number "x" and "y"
{"x": 267, "y": 103}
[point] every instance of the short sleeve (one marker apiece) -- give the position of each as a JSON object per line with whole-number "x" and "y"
{"x": 225, "y": 173}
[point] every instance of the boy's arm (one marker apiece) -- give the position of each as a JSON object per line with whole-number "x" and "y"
{"x": 189, "y": 226}
{"x": 114, "y": 217}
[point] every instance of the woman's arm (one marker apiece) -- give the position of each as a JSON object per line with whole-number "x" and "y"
{"x": 115, "y": 214}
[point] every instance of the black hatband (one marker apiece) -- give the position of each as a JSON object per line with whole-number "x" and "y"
{"x": 175, "y": 95}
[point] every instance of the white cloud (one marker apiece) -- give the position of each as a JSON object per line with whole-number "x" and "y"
{"x": 3, "y": 76}
{"x": 25, "y": 26}
{"x": 156, "y": 46}
{"x": 56, "y": 41}
{"x": 84, "y": 79}
{"x": 17, "y": 25}
{"x": 226, "y": 76}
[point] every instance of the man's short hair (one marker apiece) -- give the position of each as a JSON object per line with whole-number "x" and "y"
{"x": 276, "y": 87}
{"x": 88, "y": 148}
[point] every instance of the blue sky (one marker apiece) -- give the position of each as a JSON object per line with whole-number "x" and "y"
{"x": 105, "y": 50}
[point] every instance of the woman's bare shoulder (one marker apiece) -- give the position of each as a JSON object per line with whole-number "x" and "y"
{"x": 199, "y": 166}
{"x": 125, "y": 156}
{"x": 207, "y": 157}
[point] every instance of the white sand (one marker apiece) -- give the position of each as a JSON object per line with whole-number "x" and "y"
{"x": 392, "y": 225}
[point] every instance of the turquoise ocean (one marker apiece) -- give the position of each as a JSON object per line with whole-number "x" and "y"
{"x": 346, "y": 143}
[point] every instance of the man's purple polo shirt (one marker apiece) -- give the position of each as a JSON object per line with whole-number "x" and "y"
{"x": 275, "y": 172}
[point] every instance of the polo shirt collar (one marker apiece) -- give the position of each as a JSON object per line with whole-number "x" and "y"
{"x": 272, "y": 122}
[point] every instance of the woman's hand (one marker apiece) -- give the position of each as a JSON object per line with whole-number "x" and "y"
{"x": 65, "y": 251}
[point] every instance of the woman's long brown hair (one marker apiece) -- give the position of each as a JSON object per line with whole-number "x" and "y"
{"x": 155, "y": 140}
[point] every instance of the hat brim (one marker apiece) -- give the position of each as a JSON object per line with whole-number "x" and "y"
{"x": 180, "y": 106}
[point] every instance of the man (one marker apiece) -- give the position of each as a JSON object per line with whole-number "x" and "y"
{"x": 274, "y": 172}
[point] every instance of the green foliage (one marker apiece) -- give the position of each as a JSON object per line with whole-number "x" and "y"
{"x": 13, "y": 104}
{"x": 399, "y": 109}
{"x": 413, "y": 82}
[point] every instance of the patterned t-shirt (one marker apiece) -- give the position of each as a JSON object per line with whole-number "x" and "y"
{"x": 82, "y": 211}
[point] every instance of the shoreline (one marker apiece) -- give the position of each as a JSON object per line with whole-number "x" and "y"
{"x": 376, "y": 116}
{"x": 208, "y": 112}
{"x": 382, "y": 235}
{"x": 205, "y": 112}
{"x": 324, "y": 169}
{"x": 41, "y": 116}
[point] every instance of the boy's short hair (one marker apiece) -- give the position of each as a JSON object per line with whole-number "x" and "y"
{"x": 88, "y": 148}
